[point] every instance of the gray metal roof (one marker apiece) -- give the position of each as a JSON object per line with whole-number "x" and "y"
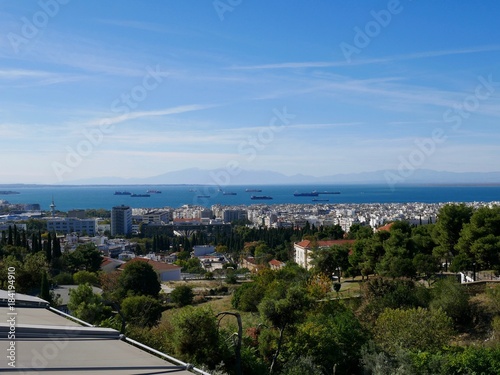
{"x": 48, "y": 343}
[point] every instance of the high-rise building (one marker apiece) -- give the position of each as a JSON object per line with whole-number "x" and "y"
{"x": 121, "y": 220}
{"x": 232, "y": 215}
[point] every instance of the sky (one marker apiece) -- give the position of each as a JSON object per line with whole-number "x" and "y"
{"x": 102, "y": 88}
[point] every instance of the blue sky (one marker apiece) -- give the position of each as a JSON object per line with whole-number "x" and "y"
{"x": 100, "y": 88}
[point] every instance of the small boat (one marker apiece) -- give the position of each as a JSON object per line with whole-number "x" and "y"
{"x": 261, "y": 197}
{"x": 140, "y": 195}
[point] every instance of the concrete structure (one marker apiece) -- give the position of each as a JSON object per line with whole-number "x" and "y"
{"x": 121, "y": 220}
{"x": 72, "y": 225}
{"x": 157, "y": 216}
{"x": 201, "y": 250}
{"x": 47, "y": 341}
{"x": 5, "y": 226}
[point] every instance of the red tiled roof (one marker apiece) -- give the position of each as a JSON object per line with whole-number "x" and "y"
{"x": 157, "y": 266}
{"x": 386, "y": 227}
{"x": 275, "y": 262}
{"x": 106, "y": 261}
{"x": 250, "y": 260}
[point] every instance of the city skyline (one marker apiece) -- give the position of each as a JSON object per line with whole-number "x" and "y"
{"x": 133, "y": 89}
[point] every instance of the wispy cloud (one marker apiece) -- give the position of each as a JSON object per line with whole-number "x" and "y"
{"x": 381, "y": 60}
{"x": 143, "y": 114}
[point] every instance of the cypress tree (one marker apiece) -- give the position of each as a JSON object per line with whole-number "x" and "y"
{"x": 44, "y": 288}
{"x": 17, "y": 239}
{"x": 47, "y": 245}
{"x": 56, "y": 247}
{"x": 9, "y": 238}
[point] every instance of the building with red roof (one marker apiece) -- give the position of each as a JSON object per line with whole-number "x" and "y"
{"x": 303, "y": 250}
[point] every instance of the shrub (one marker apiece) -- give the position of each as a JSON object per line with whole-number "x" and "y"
{"x": 182, "y": 295}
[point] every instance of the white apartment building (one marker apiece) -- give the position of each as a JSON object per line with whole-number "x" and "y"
{"x": 72, "y": 225}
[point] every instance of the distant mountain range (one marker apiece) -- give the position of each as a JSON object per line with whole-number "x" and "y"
{"x": 223, "y": 177}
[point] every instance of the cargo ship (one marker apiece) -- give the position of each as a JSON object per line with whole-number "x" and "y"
{"x": 253, "y": 190}
{"x": 140, "y": 195}
{"x": 329, "y": 192}
{"x": 311, "y": 194}
{"x": 228, "y": 193}
{"x": 153, "y": 191}
{"x": 123, "y": 193}
{"x": 261, "y": 197}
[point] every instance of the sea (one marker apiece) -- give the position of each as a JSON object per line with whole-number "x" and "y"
{"x": 103, "y": 196}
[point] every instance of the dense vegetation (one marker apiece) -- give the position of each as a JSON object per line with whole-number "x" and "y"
{"x": 405, "y": 316}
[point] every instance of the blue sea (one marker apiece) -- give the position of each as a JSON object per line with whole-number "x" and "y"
{"x": 102, "y": 196}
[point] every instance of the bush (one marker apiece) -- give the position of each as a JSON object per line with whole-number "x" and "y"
{"x": 182, "y": 295}
{"x": 86, "y": 277}
{"x": 449, "y": 296}
{"x": 63, "y": 279}
{"x": 247, "y": 297}
{"x": 413, "y": 329}
{"x": 141, "y": 310}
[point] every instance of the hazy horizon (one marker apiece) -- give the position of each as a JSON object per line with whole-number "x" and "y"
{"x": 134, "y": 89}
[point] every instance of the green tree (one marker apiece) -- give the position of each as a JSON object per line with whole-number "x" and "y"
{"x": 451, "y": 218}
{"x": 45, "y": 289}
{"x": 141, "y": 311}
{"x": 480, "y": 238}
{"x": 86, "y": 277}
{"x": 85, "y": 257}
{"x": 194, "y": 337}
{"x": 87, "y": 305}
{"x": 138, "y": 278}
{"x": 248, "y": 296}
{"x": 332, "y": 336}
{"x": 331, "y": 261}
{"x": 182, "y": 295}
{"x": 358, "y": 231}
{"x": 450, "y": 296}
{"x": 284, "y": 307}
